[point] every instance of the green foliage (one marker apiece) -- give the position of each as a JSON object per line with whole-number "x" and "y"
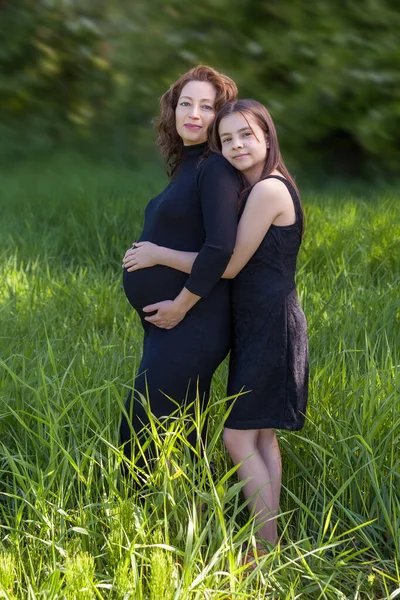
{"x": 8, "y": 574}
{"x": 79, "y": 574}
{"x": 56, "y": 70}
{"x": 327, "y": 72}
{"x": 71, "y": 526}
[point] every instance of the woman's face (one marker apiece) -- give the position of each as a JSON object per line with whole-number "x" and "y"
{"x": 243, "y": 144}
{"x": 195, "y": 111}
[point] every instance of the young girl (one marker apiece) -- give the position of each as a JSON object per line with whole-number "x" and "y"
{"x": 269, "y": 354}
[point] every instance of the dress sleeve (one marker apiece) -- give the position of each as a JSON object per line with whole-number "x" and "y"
{"x": 218, "y": 188}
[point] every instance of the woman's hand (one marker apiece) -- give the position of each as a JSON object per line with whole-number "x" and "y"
{"x": 140, "y": 256}
{"x": 169, "y": 313}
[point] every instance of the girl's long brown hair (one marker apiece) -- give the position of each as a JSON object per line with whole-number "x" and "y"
{"x": 256, "y": 110}
{"x": 168, "y": 141}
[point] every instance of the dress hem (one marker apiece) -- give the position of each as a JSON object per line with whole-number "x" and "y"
{"x": 264, "y": 424}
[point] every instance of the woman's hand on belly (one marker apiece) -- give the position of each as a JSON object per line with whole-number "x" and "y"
{"x": 168, "y": 314}
{"x": 171, "y": 312}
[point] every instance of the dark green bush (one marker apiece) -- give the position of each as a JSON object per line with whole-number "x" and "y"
{"x": 327, "y": 71}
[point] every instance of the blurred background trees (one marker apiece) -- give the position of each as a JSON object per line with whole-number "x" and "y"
{"x": 91, "y": 72}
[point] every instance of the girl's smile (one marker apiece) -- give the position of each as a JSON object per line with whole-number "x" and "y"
{"x": 243, "y": 144}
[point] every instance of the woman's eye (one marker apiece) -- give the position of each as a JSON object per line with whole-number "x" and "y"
{"x": 184, "y": 103}
{"x": 225, "y": 140}
{"x": 208, "y": 107}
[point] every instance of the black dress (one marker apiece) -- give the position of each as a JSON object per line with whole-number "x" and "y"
{"x": 197, "y": 212}
{"x": 269, "y": 358}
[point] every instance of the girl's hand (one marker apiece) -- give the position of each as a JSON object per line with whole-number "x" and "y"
{"x": 140, "y": 256}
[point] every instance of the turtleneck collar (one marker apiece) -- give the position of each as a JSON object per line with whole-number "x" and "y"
{"x": 194, "y": 150}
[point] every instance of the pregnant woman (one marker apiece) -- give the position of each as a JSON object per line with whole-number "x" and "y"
{"x": 269, "y": 353}
{"x": 188, "y": 334}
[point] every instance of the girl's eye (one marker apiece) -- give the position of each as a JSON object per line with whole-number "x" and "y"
{"x": 225, "y": 140}
{"x": 248, "y": 133}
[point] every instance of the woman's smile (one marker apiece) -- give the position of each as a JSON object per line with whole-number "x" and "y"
{"x": 194, "y": 112}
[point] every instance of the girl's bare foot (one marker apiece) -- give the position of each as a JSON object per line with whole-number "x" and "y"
{"x": 252, "y": 553}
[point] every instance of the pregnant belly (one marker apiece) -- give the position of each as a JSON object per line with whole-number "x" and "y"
{"x": 151, "y": 285}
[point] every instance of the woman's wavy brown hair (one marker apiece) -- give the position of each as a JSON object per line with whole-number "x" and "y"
{"x": 168, "y": 141}
{"x": 256, "y": 110}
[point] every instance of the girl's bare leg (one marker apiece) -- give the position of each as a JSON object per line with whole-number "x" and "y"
{"x": 243, "y": 448}
{"x": 268, "y": 447}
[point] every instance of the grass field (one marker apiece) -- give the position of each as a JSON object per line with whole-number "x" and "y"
{"x": 70, "y": 526}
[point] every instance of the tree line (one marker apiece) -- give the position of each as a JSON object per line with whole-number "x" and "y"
{"x": 94, "y": 70}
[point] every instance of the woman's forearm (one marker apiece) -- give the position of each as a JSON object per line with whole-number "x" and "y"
{"x": 176, "y": 259}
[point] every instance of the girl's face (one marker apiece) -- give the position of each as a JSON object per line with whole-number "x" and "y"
{"x": 243, "y": 144}
{"x": 195, "y": 112}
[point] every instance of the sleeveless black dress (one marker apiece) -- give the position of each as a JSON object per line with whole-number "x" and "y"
{"x": 197, "y": 212}
{"x": 269, "y": 357}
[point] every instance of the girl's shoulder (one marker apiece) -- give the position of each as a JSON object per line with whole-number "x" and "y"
{"x": 272, "y": 184}
{"x": 273, "y": 188}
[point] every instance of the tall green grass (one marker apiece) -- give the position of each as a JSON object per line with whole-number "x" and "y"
{"x": 71, "y": 526}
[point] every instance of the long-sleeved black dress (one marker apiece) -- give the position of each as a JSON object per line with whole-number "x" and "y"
{"x": 197, "y": 212}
